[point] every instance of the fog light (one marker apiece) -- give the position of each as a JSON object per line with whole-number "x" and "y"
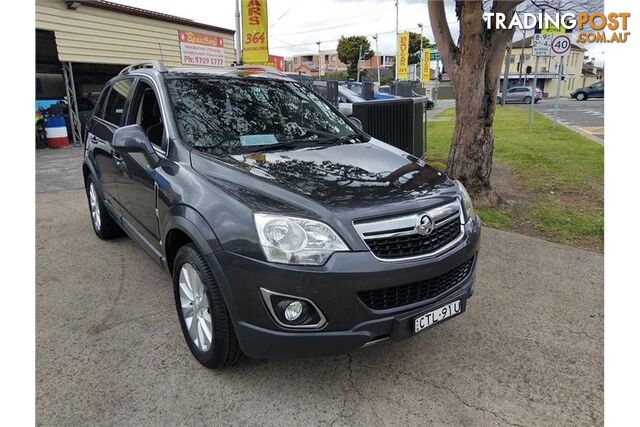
{"x": 293, "y": 311}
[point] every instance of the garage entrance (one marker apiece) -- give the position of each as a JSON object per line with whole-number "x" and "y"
{"x": 69, "y": 89}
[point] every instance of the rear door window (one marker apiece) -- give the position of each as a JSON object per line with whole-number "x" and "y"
{"x": 114, "y": 108}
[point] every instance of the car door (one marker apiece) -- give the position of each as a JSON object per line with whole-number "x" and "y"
{"x": 107, "y": 118}
{"x": 512, "y": 95}
{"x": 135, "y": 176}
{"x": 597, "y": 90}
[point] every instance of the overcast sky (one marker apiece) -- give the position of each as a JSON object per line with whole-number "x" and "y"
{"x": 296, "y": 25}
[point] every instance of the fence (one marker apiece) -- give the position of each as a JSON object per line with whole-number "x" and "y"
{"x": 399, "y": 122}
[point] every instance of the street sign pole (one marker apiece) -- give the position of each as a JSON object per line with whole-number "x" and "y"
{"x": 505, "y": 79}
{"x": 535, "y": 84}
{"x": 555, "y": 109}
{"x": 560, "y": 46}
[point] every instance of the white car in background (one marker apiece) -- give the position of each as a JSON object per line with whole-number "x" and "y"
{"x": 346, "y": 97}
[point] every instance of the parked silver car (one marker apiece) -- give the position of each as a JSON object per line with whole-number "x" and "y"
{"x": 518, "y": 94}
{"x": 346, "y": 97}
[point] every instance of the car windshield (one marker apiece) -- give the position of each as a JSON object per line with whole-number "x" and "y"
{"x": 232, "y": 115}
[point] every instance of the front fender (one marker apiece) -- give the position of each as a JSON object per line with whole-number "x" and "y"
{"x": 190, "y": 222}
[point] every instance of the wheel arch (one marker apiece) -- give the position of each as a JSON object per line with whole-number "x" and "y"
{"x": 88, "y": 169}
{"x": 185, "y": 225}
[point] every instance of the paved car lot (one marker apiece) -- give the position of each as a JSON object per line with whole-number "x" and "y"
{"x": 528, "y": 351}
{"x": 585, "y": 116}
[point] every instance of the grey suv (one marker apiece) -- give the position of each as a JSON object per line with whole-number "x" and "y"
{"x": 286, "y": 229}
{"x": 520, "y": 94}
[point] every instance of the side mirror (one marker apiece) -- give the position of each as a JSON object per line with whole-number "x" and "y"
{"x": 356, "y": 122}
{"x": 132, "y": 139}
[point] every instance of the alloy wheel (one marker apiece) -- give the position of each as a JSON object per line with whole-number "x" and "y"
{"x": 94, "y": 206}
{"x": 195, "y": 307}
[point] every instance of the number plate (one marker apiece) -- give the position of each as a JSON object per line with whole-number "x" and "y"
{"x": 425, "y": 320}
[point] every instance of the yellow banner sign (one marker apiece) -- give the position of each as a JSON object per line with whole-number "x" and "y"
{"x": 402, "y": 59}
{"x": 426, "y": 65}
{"x": 550, "y": 28}
{"x": 255, "y": 40}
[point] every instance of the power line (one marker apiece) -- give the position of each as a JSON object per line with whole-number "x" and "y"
{"x": 335, "y": 40}
{"x": 281, "y": 16}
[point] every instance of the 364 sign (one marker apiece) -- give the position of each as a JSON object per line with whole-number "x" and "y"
{"x": 255, "y": 40}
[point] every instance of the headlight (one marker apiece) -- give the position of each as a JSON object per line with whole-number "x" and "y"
{"x": 466, "y": 200}
{"x": 292, "y": 240}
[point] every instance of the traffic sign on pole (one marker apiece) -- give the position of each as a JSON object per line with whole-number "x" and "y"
{"x": 560, "y": 45}
{"x": 542, "y": 44}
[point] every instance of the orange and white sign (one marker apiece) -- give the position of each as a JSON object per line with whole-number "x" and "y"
{"x": 403, "y": 56}
{"x": 201, "y": 49}
{"x": 276, "y": 62}
{"x": 255, "y": 40}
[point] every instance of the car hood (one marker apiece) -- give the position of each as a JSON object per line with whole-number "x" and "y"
{"x": 339, "y": 177}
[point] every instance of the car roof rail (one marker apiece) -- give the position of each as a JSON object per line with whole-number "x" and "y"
{"x": 153, "y": 64}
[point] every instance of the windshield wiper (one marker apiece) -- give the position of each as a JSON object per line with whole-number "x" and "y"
{"x": 341, "y": 139}
{"x": 269, "y": 147}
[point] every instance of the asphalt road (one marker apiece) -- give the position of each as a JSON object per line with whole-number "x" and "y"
{"x": 528, "y": 351}
{"x": 585, "y": 116}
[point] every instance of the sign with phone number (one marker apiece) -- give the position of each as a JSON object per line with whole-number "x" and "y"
{"x": 201, "y": 49}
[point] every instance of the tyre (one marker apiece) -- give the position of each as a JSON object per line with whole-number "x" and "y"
{"x": 527, "y": 100}
{"x": 203, "y": 315}
{"x": 103, "y": 223}
{"x": 581, "y": 96}
{"x": 499, "y": 100}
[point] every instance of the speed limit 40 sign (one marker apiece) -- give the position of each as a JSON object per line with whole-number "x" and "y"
{"x": 560, "y": 45}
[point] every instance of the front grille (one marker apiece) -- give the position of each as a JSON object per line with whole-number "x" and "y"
{"x": 398, "y": 296}
{"x": 412, "y": 245}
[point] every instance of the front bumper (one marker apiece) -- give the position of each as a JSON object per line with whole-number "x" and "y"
{"x": 333, "y": 288}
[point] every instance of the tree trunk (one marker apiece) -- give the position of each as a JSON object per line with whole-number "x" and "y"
{"x": 474, "y": 66}
{"x": 471, "y": 153}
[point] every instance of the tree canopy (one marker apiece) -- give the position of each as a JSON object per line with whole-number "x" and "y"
{"x": 414, "y": 47}
{"x": 349, "y": 49}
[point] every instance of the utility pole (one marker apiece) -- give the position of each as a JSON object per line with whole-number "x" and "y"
{"x": 319, "y": 59}
{"x": 377, "y": 58}
{"x": 505, "y": 78}
{"x": 421, "y": 61}
{"x": 358, "y": 63}
{"x": 397, "y": 32}
{"x": 524, "y": 36}
{"x": 238, "y": 35}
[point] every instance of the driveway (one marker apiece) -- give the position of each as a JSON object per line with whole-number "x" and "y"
{"x": 528, "y": 351}
{"x": 586, "y": 117}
